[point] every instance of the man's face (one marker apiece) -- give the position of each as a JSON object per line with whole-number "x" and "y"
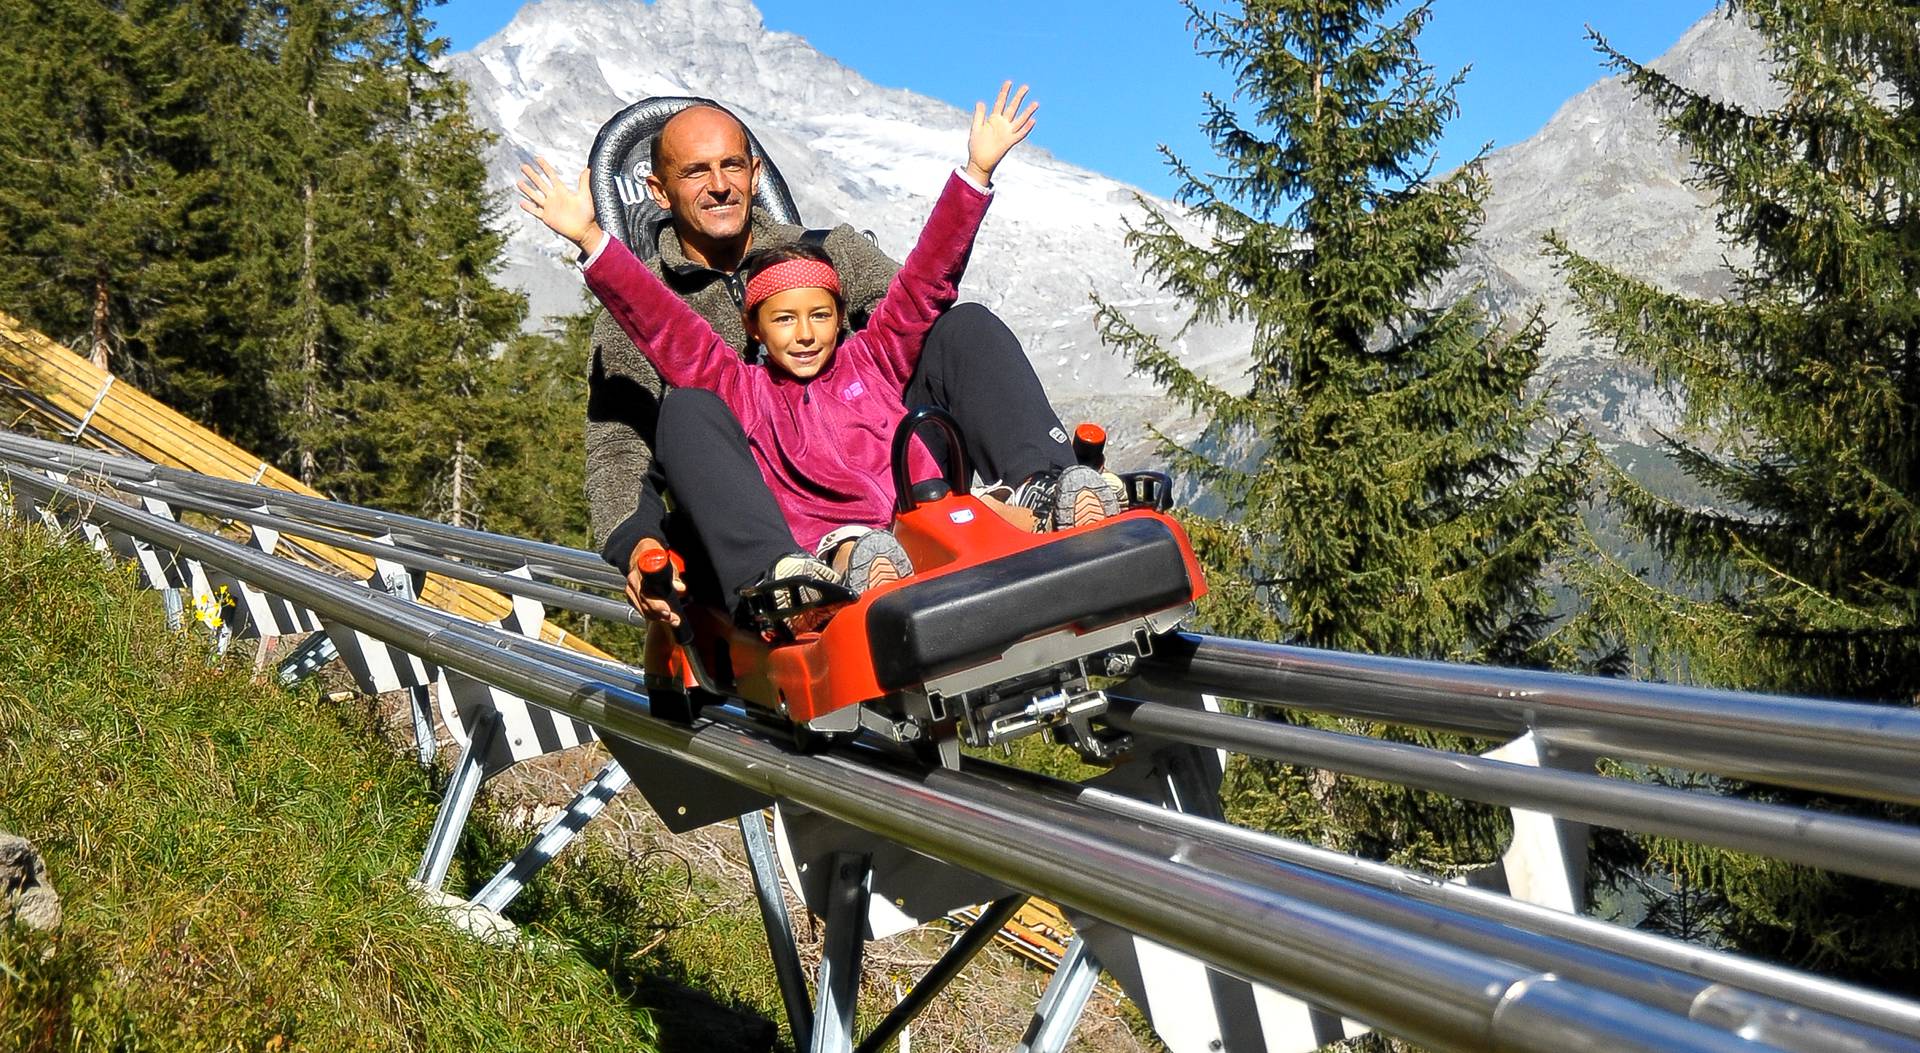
{"x": 799, "y": 329}
{"x": 706, "y": 176}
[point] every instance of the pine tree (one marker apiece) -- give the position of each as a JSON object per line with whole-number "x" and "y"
{"x": 83, "y": 179}
{"x": 1381, "y": 492}
{"x": 335, "y": 234}
{"x": 111, "y": 225}
{"x": 196, "y": 350}
{"x": 1801, "y": 394}
{"x": 323, "y": 236}
{"x": 443, "y": 316}
{"x": 532, "y": 485}
{"x": 1383, "y": 495}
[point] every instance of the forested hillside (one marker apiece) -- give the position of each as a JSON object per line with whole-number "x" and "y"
{"x": 274, "y": 217}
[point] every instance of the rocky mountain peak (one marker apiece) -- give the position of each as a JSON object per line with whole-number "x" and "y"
{"x": 1723, "y": 56}
{"x": 1605, "y": 174}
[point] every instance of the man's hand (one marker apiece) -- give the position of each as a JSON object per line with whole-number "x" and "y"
{"x": 995, "y": 133}
{"x": 652, "y": 606}
{"x": 568, "y": 212}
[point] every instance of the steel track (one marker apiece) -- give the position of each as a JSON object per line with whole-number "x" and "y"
{"x": 1447, "y": 967}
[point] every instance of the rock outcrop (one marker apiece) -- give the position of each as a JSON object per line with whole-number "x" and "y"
{"x": 27, "y": 899}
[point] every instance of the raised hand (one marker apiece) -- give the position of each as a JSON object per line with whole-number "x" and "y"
{"x": 567, "y": 211}
{"x": 997, "y": 132}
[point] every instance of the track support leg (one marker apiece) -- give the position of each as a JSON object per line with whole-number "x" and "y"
{"x": 468, "y": 773}
{"x": 839, "y": 982}
{"x": 1546, "y": 862}
{"x": 1190, "y": 777}
{"x": 553, "y": 838}
{"x": 942, "y": 972}
{"x": 425, "y": 743}
{"x": 307, "y": 659}
{"x": 773, "y": 915}
{"x": 1063, "y": 1002}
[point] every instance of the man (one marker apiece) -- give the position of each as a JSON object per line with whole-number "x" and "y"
{"x": 704, "y": 175}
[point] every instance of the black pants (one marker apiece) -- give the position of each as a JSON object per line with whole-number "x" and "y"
{"x": 972, "y": 367}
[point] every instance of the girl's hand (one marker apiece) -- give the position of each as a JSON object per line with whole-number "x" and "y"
{"x": 568, "y": 212}
{"x": 996, "y": 133}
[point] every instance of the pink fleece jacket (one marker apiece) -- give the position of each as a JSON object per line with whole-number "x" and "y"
{"x": 823, "y": 445}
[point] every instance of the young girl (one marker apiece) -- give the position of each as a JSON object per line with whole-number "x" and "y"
{"x": 818, "y": 419}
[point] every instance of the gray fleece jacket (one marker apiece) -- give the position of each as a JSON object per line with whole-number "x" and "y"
{"x": 623, "y": 391}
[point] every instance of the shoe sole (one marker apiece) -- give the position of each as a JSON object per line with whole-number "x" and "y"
{"x": 1085, "y": 497}
{"x": 877, "y": 558}
{"x": 1088, "y": 508}
{"x": 880, "y": 572}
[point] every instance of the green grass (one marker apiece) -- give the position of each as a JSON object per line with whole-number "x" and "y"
{"x": 232, "y": 858}
{"x": 671, "y": 939}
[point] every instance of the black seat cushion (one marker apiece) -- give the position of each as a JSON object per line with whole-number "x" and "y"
{"x": 1084, "y": 581}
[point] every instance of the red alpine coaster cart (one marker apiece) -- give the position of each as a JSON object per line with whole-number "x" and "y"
{"x": 997, "y": 635}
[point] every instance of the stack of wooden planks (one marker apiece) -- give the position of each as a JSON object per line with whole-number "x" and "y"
{"x": 46, "y": 387}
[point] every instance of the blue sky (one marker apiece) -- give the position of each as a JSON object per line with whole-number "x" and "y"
{"x": 1116, "y": 78}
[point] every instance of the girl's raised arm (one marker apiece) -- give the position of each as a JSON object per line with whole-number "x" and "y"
{"x": 929, "y": 282}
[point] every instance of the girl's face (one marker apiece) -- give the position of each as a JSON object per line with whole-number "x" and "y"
{"x": 799, "y": 329}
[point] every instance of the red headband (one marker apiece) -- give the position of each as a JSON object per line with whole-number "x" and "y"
{"x": 792, "y": 274}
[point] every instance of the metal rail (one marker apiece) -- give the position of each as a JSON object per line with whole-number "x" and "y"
{"x": 1873, "y": 1009}
{"x": 107, "y": 468}
{"x": 1217, "y": 730}
{"x": 1468, "y": 920}
{"x": 1784, "y": 1009}
{"x": 1404, "y": 979}
{"x": 548, "y": 594}
{"x": 549, "y": 561}
{"x": 1849, "y": 748}
{"x": 1837, "y": 747}
{"x": 1848, "y": 845}
{"x": 1834, "y": 746}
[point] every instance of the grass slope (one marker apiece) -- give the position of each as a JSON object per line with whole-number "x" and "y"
{"x": 231, "y": 857}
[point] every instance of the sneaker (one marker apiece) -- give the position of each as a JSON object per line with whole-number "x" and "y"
{"x": 796, "y": 570}
{"x": 1074, "y": 496}
{"x": 797, "y": 594}
{"x": 1036, "y": 496}
{"x": 876, "y": 559}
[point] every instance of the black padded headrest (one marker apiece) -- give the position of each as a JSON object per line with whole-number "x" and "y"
{"x": 622, "y": 159}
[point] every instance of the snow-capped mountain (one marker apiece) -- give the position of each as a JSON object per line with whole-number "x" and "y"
{"x": 1602, "y": 172}
{"x": 850, "y": 151}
